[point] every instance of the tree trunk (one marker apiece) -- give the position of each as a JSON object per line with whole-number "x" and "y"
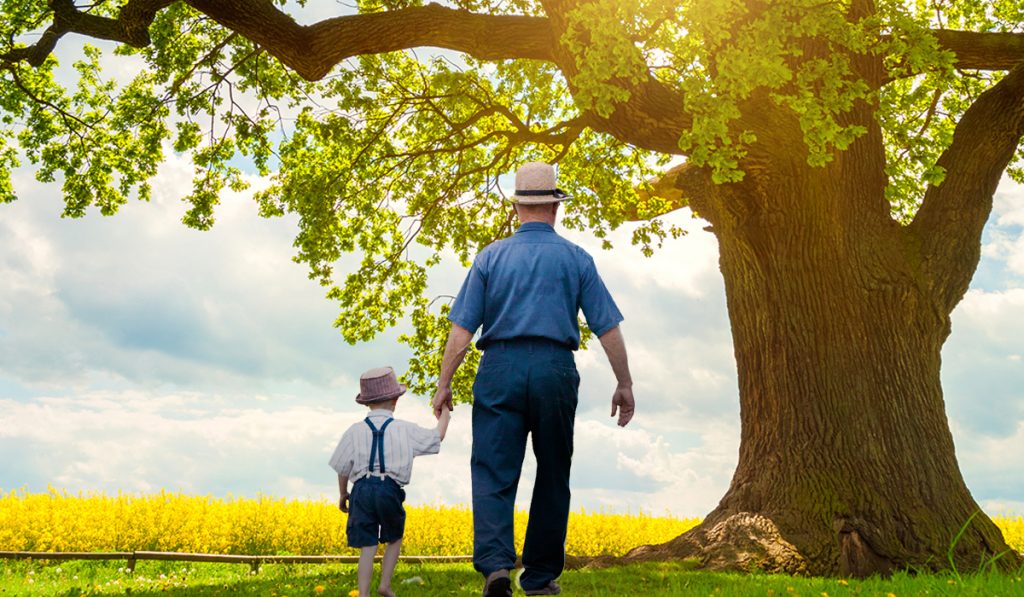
{"x": 846, "y": 461}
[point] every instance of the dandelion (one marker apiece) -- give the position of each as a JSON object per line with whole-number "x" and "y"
{"x": 353, "y": 593}
{"x": 319, "y": 589}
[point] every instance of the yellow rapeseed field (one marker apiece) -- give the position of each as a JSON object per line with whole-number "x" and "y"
{"x": 1013, "y": 530}
{"x": 57, "y": 521}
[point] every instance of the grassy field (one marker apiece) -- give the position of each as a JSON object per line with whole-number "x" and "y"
{"x": 167, "y": 578}
{"x": 56, "y": 521}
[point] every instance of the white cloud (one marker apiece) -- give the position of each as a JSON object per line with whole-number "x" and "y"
{"x": 1005, "y": 242}
{"x": 991, "y": 466}
{"x": 638, "y": 470}
{"x": 998, "y": 317}
{"x": 143, "y": 442}
{"x": 140, "y": 297}
{"x": 1008, "y": 508}
{"x": 314, "y": 12}
{"x": 686, "y": 266}
{"x": 146, "y": 355}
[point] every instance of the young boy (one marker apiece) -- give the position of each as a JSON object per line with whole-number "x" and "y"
{"x": 376, "y": 454}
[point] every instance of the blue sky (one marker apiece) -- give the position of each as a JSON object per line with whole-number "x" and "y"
{"x": 138, "y": 355}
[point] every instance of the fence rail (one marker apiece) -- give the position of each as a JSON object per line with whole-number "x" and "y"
{"x": 254, "y": 561}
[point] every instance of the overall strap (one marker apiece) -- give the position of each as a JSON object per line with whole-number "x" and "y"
{"x": 378, "y": 439}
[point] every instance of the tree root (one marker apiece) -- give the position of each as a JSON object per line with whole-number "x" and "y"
{"x": 741, "y": 542}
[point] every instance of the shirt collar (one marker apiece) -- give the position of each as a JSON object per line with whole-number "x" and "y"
{"x": 535, "y": 227}
{"x": 381, "y": 412}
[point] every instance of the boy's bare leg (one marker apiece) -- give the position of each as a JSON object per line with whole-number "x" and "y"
{"x": 387, "y": 567}
{"x": 365, "y": 572}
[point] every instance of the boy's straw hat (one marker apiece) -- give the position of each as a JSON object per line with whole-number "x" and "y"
{"x": 378, "y": 385}
{"x": 535, "y": 185}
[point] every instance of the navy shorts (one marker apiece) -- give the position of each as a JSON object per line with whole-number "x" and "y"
{"x": 375, "y": 512}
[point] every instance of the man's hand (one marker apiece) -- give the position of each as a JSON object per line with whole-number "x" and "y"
{"x": 343, "y": 503}
{"x": 622, "y": 401}
{"x": 442, "y": 398}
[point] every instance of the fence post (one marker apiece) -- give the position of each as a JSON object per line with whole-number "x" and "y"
{"x": 131, "y": 563}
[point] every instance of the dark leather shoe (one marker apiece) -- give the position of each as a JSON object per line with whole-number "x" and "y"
{"x": 498, "y": 584}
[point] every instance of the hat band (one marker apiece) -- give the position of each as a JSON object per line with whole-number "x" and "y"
{"x": 542, "y": 193}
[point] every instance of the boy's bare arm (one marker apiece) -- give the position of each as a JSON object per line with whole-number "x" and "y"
{"x": 343, "y": 490}
{"x": 442, "y": 421}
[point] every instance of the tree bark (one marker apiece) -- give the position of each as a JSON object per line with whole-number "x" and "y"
{"x": 846, "y": 462}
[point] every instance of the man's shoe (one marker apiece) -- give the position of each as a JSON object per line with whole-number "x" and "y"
{"x": 552, "y": 588}
{"x": 498, "y": 585}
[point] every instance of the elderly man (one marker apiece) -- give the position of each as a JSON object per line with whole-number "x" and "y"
{"x": 526, "y": 292}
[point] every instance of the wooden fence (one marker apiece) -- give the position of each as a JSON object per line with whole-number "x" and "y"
{"x": 254, "y": 561}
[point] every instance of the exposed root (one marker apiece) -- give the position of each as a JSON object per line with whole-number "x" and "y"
{"x": 741, "y": 542}
{"x": 749, "y": 542}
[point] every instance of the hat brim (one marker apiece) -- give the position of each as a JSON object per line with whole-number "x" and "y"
{"x": 382, "y": 398}
{"x": 556, "y": 197}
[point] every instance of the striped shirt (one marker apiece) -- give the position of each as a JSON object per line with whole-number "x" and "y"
{"x": 403, "y": 441}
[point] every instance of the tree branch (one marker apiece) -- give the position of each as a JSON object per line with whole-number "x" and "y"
{"x": 983, "y": 51}
{"x": 130, "y": 27}
{"x": 671, "y": 191}
{"x": 949, "y": 224}
{"x": 312, "y": 51}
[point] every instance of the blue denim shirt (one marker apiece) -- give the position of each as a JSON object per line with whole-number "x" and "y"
{"x": 532, "y": 285}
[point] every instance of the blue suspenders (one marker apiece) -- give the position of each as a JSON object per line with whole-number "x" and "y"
{"x": 378, "y": 440}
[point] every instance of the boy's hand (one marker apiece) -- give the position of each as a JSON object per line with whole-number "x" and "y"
{"x": 442, "y": 398}
{"x": 343, "y": 503}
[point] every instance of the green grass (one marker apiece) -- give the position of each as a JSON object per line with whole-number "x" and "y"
{"x": 278, "y": 580}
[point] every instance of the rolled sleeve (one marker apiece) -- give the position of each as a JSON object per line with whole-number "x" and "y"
{"x": 424, "y": 440}
{"x": 343, "y": 459}
{"x": 468, "y": 308}
{"x": 596, "y": 302}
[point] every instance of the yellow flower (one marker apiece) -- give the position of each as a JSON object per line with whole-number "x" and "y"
{"x": 319, "y": 589}
{"x": 353, "y": 593}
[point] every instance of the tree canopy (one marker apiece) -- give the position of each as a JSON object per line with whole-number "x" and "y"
{"x": 391, "y": 154}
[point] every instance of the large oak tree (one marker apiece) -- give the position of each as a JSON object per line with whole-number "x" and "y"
{"x": 844, "y": 152}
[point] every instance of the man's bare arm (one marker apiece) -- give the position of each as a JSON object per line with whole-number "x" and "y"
{"x": 459, "y": 339}
{"x": 622, "y": 400}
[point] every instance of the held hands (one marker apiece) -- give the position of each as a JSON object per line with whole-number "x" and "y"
{"x": 343, "y": 503}
{"x": 442, "y": 398}
{"x": 622, "y": 401}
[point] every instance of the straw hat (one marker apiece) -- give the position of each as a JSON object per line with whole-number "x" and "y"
{"x": 535, "y": 185}
{"x": 378, "y": 385}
